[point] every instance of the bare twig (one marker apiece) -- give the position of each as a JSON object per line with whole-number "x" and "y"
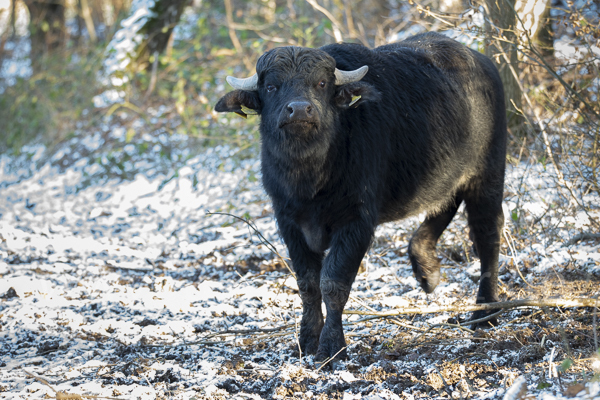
{"x": 337, "y": 26}
{"x": 250, "y": 331}
{"x": 538, "y": 119}
{"x": 595, "y": 327}
{"x": 296, "y": 333}
{"x": 263, "y": 239}
{"x": 445, "y": 341}
{"x": 329, "y": 359}
{"x": 443, "y": 381}
{"x": 233, "y": 35}
{"x": 511, "y": 246}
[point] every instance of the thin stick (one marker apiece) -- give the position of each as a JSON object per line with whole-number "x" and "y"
{"x": 511, "y": 246}
{"x": 336, "y": 25}
{"x": 595, "y": 324}
{"x": 40, "y": 379}
{"x": 330, "y": 359}
{"x": 581, "y": 302}
{"x": 264, "y": 240}
{"x": 443, "y": 381}
{"x": 233, "y": 36}
{"x": 296, "y": 334}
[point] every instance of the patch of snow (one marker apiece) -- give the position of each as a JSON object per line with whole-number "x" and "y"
{"x": 122, "y": 283}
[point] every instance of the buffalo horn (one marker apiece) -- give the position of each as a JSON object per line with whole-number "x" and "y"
{"x": 250, "y": 84}
{"x": 343, "y": 77}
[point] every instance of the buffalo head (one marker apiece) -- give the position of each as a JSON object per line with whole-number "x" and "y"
{"x": 298, "y": 92}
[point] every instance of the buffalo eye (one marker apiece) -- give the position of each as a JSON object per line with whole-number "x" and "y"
{"x": 271, "y": 88}
{"x": 322, "y": 84}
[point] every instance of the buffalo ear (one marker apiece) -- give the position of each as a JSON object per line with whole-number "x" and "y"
{"x": 355, "y": 93}
{"x": 241, "y": 102}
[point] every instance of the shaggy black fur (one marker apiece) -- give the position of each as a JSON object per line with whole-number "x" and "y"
{"x": 428, "y": 133}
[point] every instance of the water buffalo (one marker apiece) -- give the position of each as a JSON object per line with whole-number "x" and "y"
{"x": 354, "y": 137}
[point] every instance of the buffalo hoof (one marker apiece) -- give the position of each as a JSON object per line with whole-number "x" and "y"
{"x": 426, "y": 268}
{"x": 330, "y": 362}
{"x": 309, "y": 344}
{"x": 332, "y": 347}
{"x": 429, "y": 280}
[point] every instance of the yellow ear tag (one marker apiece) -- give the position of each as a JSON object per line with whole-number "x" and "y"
{"x": 354, "y": 100}
{"x": 248, "y": 111}
{"x": 241, "y": 114}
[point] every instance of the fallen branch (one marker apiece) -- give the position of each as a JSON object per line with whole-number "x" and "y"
{"x": 448, "y": 341}
{"x": 582, "y": 302}
{"x": 582, "y": 236}
{"x": 60, "y": 395}
{"x": 251, "y": 331}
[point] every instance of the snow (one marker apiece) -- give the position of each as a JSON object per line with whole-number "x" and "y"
{"x": 118, "y": 262}
{"x": 124, "y": 272}
{"x": 570, "y": 49}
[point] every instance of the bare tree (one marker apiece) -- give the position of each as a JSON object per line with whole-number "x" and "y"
{"x": 534, "y": 23}
{"x": 501, "y": 46}
{"x": 13, "y": 17}
{"x": 46, "y": 27}
{"x": 158, "y": 29}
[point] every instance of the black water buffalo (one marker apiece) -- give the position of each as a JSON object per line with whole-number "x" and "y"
{"x": 353, "y": 137}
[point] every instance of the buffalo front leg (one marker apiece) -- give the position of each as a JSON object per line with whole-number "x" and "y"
{"x": 307, "y": 267}
{"x": 312, "y": 315}
{"x": 348, "y": 247}
{"x": 421, "y": 249}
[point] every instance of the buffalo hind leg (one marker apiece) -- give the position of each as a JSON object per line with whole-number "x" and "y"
{"x": 486, "y": 221}
{"x": 421, "y": 249}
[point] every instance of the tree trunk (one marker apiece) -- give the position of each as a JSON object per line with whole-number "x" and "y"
{"x": 86, "y": 14}
{"x": 13, "y": 17}
{"x": 535, "y": 23}
{"x": 158, "y": 30}
{"x": 544, "y": 37}
{"x": 46, "y": 28}
{"x": 501, "y": 46}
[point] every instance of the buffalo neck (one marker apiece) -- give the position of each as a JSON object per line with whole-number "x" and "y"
{"x": 293, "y": 172}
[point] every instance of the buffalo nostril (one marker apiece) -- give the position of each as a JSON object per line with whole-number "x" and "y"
{"x": 290, "y": 109}
{"x": 309, "y": 109}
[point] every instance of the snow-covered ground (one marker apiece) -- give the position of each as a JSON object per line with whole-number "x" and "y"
{"x": 117, "y": 281}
